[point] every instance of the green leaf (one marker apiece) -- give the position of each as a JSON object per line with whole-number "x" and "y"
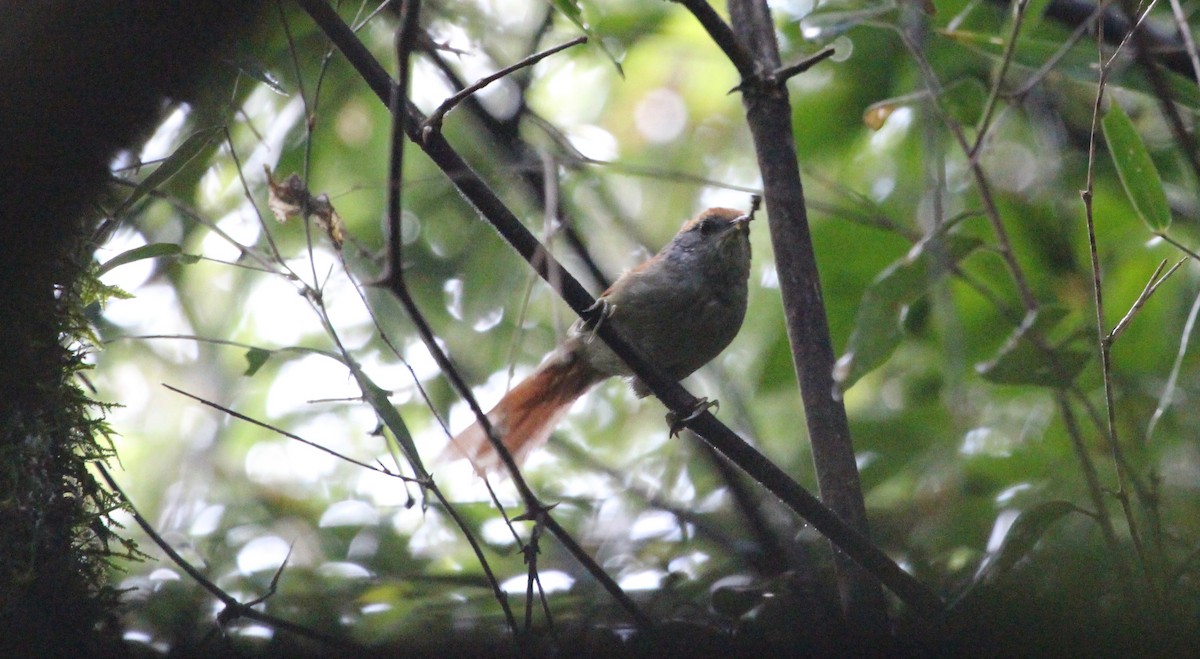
{"x": 255, "y": 358}
{"x": 1021, "y": 361}
{"x": 377, "y": 398}
{"x": 255, "y": 69}
{"x": 831, "y": 23}
{"x": 877, "y": 326}
{"x": 151, "y": 251}
{"x": 373, "y": 394}
{"x": 171, "y": 165}
{"x": 573, "y": 10}
{"x": 1022, "y": 536}
{"x": 1136, "y": 170}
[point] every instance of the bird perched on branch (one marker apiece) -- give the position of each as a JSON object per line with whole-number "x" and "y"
{"x": 682, "y": 307}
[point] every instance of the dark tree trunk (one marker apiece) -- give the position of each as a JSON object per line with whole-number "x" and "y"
{"x": 80, "y": 81}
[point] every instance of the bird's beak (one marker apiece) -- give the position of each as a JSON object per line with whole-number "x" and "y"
{"x": 742, "y": 222}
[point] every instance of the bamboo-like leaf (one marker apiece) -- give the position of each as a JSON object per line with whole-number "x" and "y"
{"x": 373, "y": 394}
{"x": 171, "y": 165}
{"x": 1136, "y": 170}
{"x": 377, "y": 398}
{"x": 877, "y": 327}
{"x": 1021, "y": 361}
{"x": 256, "y": 69}
{"x": 151, "y": 251}
{"x": 574, "y": 13}
{"x": 1022, "y": 536}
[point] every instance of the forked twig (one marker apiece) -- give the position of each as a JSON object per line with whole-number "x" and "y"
{"x": 1151, "y": 286}
{"x": 783, "y": 74}
{"x": 233, "y": 608}
{"x": 1086, "y": 195}
{"x": 434, "y": 121}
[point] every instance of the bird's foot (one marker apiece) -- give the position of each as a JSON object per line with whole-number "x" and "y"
{"x": 677, "y": 423}
{"x": 595, "y": 315}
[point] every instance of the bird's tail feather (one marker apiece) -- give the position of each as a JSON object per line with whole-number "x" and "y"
{"x": 526, "y": 415}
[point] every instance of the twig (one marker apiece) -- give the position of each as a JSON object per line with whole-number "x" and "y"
{"x": 1151, "y": 286}
{"x": 1179, "y": 246}
{"x": 1115, "y": 25}
{"x": 575, "y": 549}
{"x": 434, "y": 121}
{"x": 375, "y": 12}
{"x": 233, "y": 608}
{"x": 531, "y": 551}
{"x": 1181, "y": 130}
{"x": 393, "y": 280}
{"x": 1095, "y": 491}
{"x": 1164, "y": 401}
{"x": 514, "y": 150}
{"x": 1052, "y": 61}
{"x": 1110, "y": 429}
{"x": 280, "y": 431}
{"x": 394, "y": 274}
{"x": 262, "y": 222}
{"x": 982, "y": 129}
{"x": 194, "y": 215}
{"x": 992, "y": 212}
{"x": 1185, "y": 33}
{"x": 271, "y": 587}
{"x": 783, "y": 74}
{"x": 309, "y": 113}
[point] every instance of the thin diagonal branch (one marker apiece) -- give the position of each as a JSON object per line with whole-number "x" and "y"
{"x": 992, "y": 212}
{"x": 1185, "y": 34}
{"x": 1168, "y": 392}
{"x": 233, "y": 608}
{"x": 514, "y": 150}
{"x": 1151, "y": 286}
{"x": 280, "y": 431}
{"x": 434, "y": 121}
{"x": 1010, "y": 50}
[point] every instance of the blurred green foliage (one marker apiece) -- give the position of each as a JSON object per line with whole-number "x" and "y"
{"x": 958, "y": 417}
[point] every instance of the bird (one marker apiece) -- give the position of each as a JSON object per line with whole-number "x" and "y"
{"x": 682, "y": 307}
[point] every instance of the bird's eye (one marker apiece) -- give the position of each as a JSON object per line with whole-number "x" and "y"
{"x": 709, "y": 226}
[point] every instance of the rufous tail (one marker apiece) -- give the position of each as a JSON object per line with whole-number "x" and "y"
{"x": 527, "y": 414}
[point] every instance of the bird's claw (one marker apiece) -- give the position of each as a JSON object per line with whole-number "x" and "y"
{"x": 595, "y": 315}
{"x": 677, "y": 423}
